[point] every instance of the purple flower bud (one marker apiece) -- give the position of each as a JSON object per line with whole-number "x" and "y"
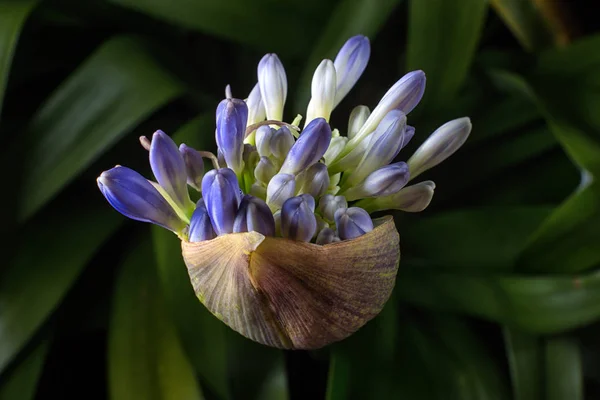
{"x": 169, "y": 169}
{"x": 298, "y": 220}
{"x": 440, "y": 145}
{"x": 256, "y": 108}
{"x": 385, "y": 181}
{"x": 254, "y": 215}
{"x": 232, "y": 115}
{"x": 134, "y": 197}
{"x": 264, "y": 134}
{"x": 352, "y": 222}
{"x": 350, "y": 63}
{"x": 281, "y": 142}
{"x": 384, "y": 145}
{"x": 326, "y": 236}
{"x": 200, "y": 226}
{"x": 273, "y": 85}
{"x": 222, "y": 195}
{"x": 309, "y": 148}
{"x": 315, "y": 180}
{"x": 280, "y": 188}
{"x": 329, "y": 204}
{"x": 414, "y": 198}
{"x": 194, "y": 166}
{"x": 265, "y": 170}
{"x": 403, "y": 96}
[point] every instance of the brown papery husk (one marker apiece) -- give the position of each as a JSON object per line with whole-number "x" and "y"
{"x": 295, "y": 295}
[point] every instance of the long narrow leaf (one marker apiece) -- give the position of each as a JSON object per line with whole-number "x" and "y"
{"x": 442, "y": 39}
{"x": 525, "y": 21}
{"x": 115, "y": 89}
{"x": 525, "y": 358}
{"x": 21, "y": 382}
{"x": 537, "y": 304}
{"x": 12, "y": 16}
{"x": 564, "y": 375}
{"x": 146, "y": 360}
{"x": 44, "y": 268}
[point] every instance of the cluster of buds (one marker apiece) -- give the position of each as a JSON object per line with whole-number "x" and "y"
{"x": 271, "y": 177}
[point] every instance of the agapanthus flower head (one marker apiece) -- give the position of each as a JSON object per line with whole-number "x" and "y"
{"x": 280, "y": 243}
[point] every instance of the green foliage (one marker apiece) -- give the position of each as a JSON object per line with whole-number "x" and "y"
{"x": 498, "y": 288}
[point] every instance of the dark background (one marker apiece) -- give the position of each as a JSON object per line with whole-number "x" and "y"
{"x": 498, "y": 293}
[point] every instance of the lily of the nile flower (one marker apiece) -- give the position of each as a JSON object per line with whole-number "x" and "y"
{"x": 273, "y": 86}
{"x": 326, "y": 236}
{"x": 350, "y": 63}
{"x": 168, "y": 166}
{"x": 414, "y": 198}
{"x": 385, "y": 181}
{"x": 281, "y": 142}
{"x": 309, "y": 148}
{"x": 323, "y": 92}
{"x": 440, "y": 145}
{"x": 200, "y": 226}
{"x": 403, "y": 96}
{"x": 133, "y": 196}
{"x": 232, "y": 116}
{"x": 314, "y": 181}
{"x": 329, "y": 204}
{"x": 222, "y": 196}
{"x": 352, "y": 222}
{"x": 281, "y": 187}
{"x": 254, "y": 215}
{"x": 194, "y": 166}
{"x": 259, "y": 254}
{"x": 263, "y": 137}
{"x": 265, "y": 170}
{"x": 298, "y": 220}
{"x": 256, "y": 107}
{"x": 383, "y": 146}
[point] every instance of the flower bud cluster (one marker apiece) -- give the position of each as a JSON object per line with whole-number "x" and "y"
{"x": 271, "y": 177}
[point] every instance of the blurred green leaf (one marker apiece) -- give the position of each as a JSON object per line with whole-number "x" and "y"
{"x": 114, "y": 90}
{"x": 21, "y": 382}
{"x": 579, "y": 60}
{"x": 442, "y": 39}
{"x": 350, "y": 17}
{"x": 498, "y": 157}
{"x": 12, "y": 17}
{"x": 537, "y": 304}
{"x": 564, "y": 375}
{"x": 524, "y": 19}
{"x": 255, "y": 371}
{"x": 362, "y": 366}
{"x": 525, "y": 359}
{"x": 202, "y": 335}
{"x": 146, "y": 360}
{"x": 253, "y": 24}
{"x": 506, "y": 115}
{"x": 480, "y": 240}
{"x": 49, "y": 259}
{"x": 449, "y": 359}
{"x": 568, "y": 239}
